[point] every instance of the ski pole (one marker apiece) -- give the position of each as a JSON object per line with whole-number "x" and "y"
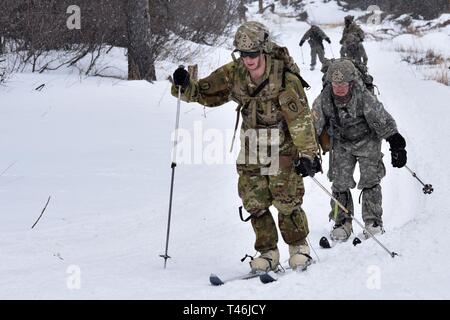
{"x": 331, "y": 48}
{"x": 391, "y": 253}
{"x": 427, "y": 188}
{"x": 172, "y": 166}
{"x": 303, "y": 59}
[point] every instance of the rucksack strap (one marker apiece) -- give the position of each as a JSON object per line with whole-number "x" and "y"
{"x": 303, "y": 81}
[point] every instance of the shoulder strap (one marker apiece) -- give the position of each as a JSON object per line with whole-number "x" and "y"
{"x": 259, "y": 88}
{"x": 303, "y": 81}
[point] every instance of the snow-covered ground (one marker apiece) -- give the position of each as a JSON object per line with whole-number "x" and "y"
{"x": 101, "y": 148}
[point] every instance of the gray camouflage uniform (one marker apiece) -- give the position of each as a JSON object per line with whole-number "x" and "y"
{"x": 315, "y": 36}
{"x": 356, "y": 130}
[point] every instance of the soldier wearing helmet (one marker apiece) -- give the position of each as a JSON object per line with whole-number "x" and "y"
{"x": 315, "y": 36}
{"x": 269, "y": 97}
{"x": 351, "y": 41}
{"x": 355, "y": 123}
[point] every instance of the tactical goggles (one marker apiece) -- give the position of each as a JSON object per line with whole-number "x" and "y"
{"x": 251, "y": 55}
{"x": 340, "y": 84}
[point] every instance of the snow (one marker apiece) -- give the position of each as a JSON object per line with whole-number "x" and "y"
{"x": 101, "y": 148}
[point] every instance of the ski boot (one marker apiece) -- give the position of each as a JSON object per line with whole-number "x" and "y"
{"x": 341, "y": 231}
{"x": 374, "y": 228}
{"x": 299, "y": 256}
{"x": 267, "y": 261}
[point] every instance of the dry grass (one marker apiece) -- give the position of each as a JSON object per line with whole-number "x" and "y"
{"x": 416, "y": 56}
{"x": 413, "y": 30}
{"x": 332, "y": 25}
{"x": 441, "y": 75}
{"x": 405, "y": 49}
{"x": 438, "y": 63}
{"x": 433, "y": 58}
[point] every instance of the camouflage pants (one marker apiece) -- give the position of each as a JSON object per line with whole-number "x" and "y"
{"x": 372, "y": 170}
{"x": 285, "y": 191}
{"x": 317, "y": 51}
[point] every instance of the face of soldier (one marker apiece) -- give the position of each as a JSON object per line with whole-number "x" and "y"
{"x": 340, "y": 89}
{"x": 253, "y": 63}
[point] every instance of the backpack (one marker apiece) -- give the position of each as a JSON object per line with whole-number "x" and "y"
{"x": 282, "y": 53}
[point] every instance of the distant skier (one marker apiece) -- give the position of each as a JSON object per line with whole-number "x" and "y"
{"x": 351, "y": 124}
{"x": 242, "y": 10}
{"x": 351, "y": 41}
{"x": 315, "y": 36}
{"x": 269, "y": 97}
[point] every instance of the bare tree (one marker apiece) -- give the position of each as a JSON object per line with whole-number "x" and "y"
{"x": 141, "y": 62}
{"x": 35, "y": 31}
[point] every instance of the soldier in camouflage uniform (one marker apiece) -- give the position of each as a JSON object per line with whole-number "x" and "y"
{"x": 352, "y": 48}
{"x": 268, "y": 97}
{"x": 242, "y": 10}
{"x": 315, "y": 36}
{"x": 351, "y": 41}
{"x": 355, "y": 123}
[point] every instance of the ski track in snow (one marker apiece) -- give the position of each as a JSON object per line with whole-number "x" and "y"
{"x": 101, "y": 149}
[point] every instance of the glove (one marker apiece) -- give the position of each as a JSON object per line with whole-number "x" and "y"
{"x": 398, "y": 158}
{"x": 328, "y": 40}
{"x": 398, "y": 152}
{"x": 305, "y": 167}
{"x": 301, "y": 43}
{"x": 181, "y": 77}
{"x": 396, "y": 141}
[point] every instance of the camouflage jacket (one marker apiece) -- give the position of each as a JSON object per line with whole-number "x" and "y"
{"x": 315, "y": 36}
{"x": 353, "y": 29}
{"x": 363, "y": 118}
{"x": 281, "y": 103}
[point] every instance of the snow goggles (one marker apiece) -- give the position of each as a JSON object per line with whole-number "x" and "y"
{"x": 251, "y": 55}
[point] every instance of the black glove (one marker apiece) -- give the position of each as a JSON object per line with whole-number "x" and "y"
{"x": 301, "y": 43}
{"x": 181, "y": 77}
{"x": 328, "y": 40}
{"x": 305, "y": 167}
{"x": 398, "y": 152}
{"x": 398, "y": 158}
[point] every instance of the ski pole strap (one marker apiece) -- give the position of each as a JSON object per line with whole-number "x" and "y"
{"x": 242, "y": 218}
{"x": 238, "y": 113}
{"x": 246, "y": 256}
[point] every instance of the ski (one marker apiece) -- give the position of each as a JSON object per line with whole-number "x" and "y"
{"x": 325, "y": 244}
{"x": 269, "y": 277}
{"x": 215, "y": 280}
{"x": 272, "y": 276}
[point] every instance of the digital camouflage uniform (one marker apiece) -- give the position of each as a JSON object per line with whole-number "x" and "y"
{"x": 278, "y": 106}
{"x": 356, "y": 130}
{"x": 351, "y": 41}
{"x": 353, "y": 49}
{"x": 315, "y": 36}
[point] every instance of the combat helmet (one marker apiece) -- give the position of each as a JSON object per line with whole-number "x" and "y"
{"x": 349, "y": 19}
{"x": 340, "y": 71}
{"x": 252, "y": 36}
